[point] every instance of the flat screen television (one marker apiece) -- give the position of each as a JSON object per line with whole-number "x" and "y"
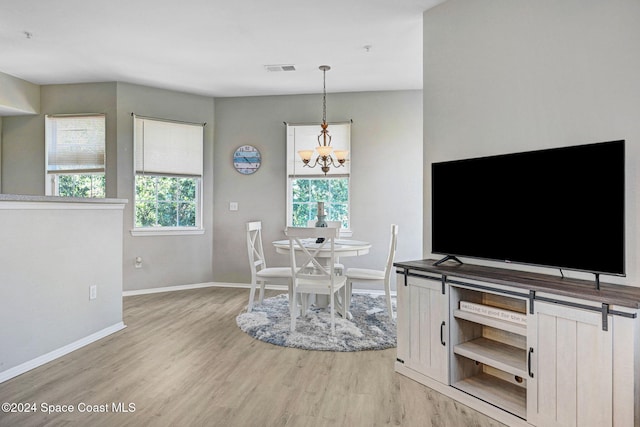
{"x": 559, "y": 207}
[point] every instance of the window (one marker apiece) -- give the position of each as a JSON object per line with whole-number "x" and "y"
{"x": 307, "y": 192}
{"x": 307, "y": 186}
{"x": 75, "y": 155}
{"x": 168, "y": 176}
{"x": 166, "y": 201}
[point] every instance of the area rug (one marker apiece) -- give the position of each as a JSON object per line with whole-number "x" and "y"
{"x": 369, "y": 329}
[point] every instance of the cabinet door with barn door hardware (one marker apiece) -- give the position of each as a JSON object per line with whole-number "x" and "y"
{"x": 571, "y": 359}
{"x": 423, "y": 311}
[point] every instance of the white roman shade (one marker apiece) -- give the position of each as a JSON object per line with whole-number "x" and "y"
{"x": 168, "y": 148}
{"x": 305, "y": 137}
{"x": 75, "y": 143}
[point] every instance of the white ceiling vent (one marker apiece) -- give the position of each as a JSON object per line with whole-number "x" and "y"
{"x": 279, "y": 67}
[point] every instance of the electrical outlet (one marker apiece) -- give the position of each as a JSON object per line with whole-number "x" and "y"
{"x": 233, "y": 206}
{"x": 93, "y": 292}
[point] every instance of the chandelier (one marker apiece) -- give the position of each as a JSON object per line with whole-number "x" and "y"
{"x": 324, "y": 148}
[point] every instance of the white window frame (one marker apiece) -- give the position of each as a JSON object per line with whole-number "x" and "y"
{"x": 179, "y": 167}
{"x": 83, "y": 165}
{"x": 304, "y": 136}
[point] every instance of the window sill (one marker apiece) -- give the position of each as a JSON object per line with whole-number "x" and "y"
{"x": 346, "y": 233}
{"x": 166, "y": 231}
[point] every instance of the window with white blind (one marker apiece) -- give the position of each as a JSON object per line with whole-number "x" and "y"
{"x": 75, "y": 155}
{"x": 168, "y": 176}
{"x": 307, "y": 186}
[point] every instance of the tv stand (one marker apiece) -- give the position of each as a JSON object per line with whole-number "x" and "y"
{"x": 524, "y": 348}
{"x": 447, "y": 258}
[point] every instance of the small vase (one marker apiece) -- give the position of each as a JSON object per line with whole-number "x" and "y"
{"x": 321, "y": 223}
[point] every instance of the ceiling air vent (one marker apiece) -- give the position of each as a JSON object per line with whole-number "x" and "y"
{"x": 273, "y": 68}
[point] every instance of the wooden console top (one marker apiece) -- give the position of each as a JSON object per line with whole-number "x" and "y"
{"x": 625, "y": 296}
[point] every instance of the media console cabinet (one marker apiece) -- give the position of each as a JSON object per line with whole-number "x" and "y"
{"x": 525, "y": 349}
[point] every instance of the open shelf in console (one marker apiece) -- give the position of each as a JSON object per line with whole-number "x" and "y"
{"x": 489, "y": 356}
{"x": 501, "y": 356}
{"x": 498, "y": 392}
{"x": 504, "y": 325}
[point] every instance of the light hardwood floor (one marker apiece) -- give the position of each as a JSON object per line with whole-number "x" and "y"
{"x": 182, "y": 361}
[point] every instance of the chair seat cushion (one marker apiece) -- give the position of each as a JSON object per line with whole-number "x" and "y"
{"x": 365, "y": 274}
{"x": 320, "y": 286}
{"x": 275, "y": 272}
{"x": 337, "y": 266}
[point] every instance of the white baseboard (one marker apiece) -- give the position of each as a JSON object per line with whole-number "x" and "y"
{"x": 228, "y": 285}
{"x": 52, "y": 355}
{"x": 196, "y": 286}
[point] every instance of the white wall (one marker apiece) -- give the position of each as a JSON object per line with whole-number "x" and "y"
{"x": 386, "y": 171}
{"x": 52, "y": 253}
{"x": 504, "y": 76}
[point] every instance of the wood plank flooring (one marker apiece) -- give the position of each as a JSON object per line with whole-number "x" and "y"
{"x": 182, "y": 361}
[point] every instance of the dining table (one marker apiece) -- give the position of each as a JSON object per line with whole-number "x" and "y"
{"x": 342, "y": 248}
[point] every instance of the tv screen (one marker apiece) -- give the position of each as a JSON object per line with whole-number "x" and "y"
{"x": 560, "y": 207}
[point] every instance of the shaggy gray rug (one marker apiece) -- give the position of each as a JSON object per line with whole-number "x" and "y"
{"x": 370, "y": 328}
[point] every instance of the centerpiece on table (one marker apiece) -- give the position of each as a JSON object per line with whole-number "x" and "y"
{"x": 321, "y": 220}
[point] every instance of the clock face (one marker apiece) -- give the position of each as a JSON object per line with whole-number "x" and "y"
{"x": 247, "y": 159}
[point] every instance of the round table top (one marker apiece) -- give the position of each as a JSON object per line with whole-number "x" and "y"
{"x": 343, "y": 247}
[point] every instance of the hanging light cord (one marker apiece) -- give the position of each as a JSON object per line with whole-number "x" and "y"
{"x": 324, "y": 95}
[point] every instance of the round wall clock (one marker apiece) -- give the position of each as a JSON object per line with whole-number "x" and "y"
{"x": 247, "y": 159}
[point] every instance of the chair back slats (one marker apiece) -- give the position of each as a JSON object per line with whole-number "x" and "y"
{"x": 393, "y": 244}
{"x": 254, "y": 246}
{"x": 260, "y": 274}
{"x": 309, "y": 252}
{"x": 314, "y": 276}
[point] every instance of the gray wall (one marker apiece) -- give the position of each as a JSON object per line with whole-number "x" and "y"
{"x": 23, "y": 155}
{"x": 52, "y": 253}
{"x": 504, "y": 76}
{"x": 23, "y": 147}
{"x": 386, "y": 172}
{"x": 0, "y": 155}
{"x": 167, "y": 260}
{"x": 18, "y": 96}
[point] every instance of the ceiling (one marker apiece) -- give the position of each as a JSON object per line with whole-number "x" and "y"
{"x": 216, "y": 48}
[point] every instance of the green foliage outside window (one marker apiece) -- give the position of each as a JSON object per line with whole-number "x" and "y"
{"x": 81, "y": 185}
{"x": 163, "y": 201}
{"x": 334, "y": 192}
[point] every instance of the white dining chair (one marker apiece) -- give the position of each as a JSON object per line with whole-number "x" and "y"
{"x": 322, "y": 278}
{"x": 331, "y": 224}
{"x": 377, "y": 276}
{"x": 260, "y": 273}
